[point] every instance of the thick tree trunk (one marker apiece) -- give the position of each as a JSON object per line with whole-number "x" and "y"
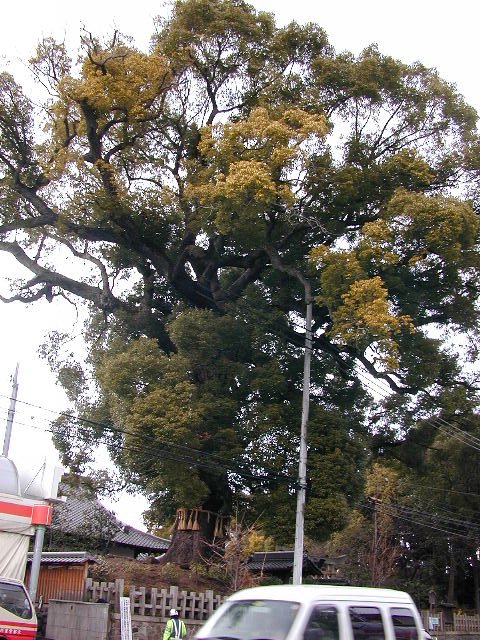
{"x": 198, "y": 535}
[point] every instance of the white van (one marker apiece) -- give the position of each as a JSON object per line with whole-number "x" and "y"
{"x": 308, "y": 612}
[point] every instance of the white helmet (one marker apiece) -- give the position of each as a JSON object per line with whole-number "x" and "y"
{"x": 173, "y": 612}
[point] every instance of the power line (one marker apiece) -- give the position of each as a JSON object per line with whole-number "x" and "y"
{"x": 181, "y": 453}
{"x": 368, "y": 381}
{"x": 420, "y": 523}
{"x": 49, "y": 430}
{"x": 472, "y": 437}
{"x": 426, "y": 514}
{"x": 193, "y": 460}
{"x": 463, "y": 493}
{"x": 439, "y": 423}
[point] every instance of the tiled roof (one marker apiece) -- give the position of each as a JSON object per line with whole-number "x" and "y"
{"x": 84, "y": 515}
{"x": 279, "y": 560}
{"x": 79, "y": 514}
{"x": 63, "y": 557}
{"x": 135, "y": 538}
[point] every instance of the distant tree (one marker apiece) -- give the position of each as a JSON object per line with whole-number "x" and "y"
{"x": 438, "y": 522}
{"x": 371, "y": 540}
{"x": 202, "y": 189}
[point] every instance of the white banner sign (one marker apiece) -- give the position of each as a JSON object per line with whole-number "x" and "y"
{"x": 125, "y": 619}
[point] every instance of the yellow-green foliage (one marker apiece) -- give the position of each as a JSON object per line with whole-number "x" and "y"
{"x": 382, "y": 483}
{"x": 249, "y": 165}
{"x": 151, "y": 398}
{"x": 361, "y": 313}
{"x": 408, "y": 164}
{"x": 412, "y": 229}
{"x": 337, "y": 271}
{"x": 118, "y": 88}
{"x": 122, "y": 80}
{"x": 192, "y": 37}
{"x": 375, "y": 246}
{"x": 430, "y": 224}
{"x": 171, "y": 414}
{"x": 365, "y": 319}
{"x": 245, "y": 540}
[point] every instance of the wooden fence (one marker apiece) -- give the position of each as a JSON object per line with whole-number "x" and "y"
{"x": 466, "y": 623}
{"x": 456, "y": 622}
{"x": 150, "y": 601}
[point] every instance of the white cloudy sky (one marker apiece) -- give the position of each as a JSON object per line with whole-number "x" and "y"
{"x": 439, "y": 34}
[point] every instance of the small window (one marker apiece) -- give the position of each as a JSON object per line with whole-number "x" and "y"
{"x": 367, "y": 623}
{"x": 323, "y": 624}
{"x": 404, "y": 624}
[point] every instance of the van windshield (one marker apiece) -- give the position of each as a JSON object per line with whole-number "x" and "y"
{"x": 14, "y": 600}
{"x": 255, "y": 620}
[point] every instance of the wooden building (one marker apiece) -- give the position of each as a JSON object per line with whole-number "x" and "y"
{"x": 280, "y": 565}
{"x": 62, "y": 574}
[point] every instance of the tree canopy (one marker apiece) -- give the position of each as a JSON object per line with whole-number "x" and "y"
{"x": 193, "y": 195}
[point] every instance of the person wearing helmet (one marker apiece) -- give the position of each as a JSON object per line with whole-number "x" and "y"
{"x": 175, "y": 628}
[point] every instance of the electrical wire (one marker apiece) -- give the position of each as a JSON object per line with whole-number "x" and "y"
{"x": 178, "y": 452}
{"x": 462, "y": 493}
{"x": 413, "y": 512}
{"x": 439, "y": 423}
{"x": 189, "y": 460}
{"x": 423, "y": 524}
{"x": 49, "y": 430}
{"x": 421, "y": 517}
{"x": 368, "y": 382}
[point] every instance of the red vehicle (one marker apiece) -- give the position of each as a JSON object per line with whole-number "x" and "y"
{"x": 17, "y": 615}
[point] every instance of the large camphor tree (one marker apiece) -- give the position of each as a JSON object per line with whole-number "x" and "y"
{"x": 195, "y": 197}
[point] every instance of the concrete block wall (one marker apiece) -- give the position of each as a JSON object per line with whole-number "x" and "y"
{"x": 71, "y": 620}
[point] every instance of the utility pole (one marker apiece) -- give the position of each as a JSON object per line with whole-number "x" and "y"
{"x": 374, "y": 544}
{"x": 302, "y": 465}
{"x": 11, "y": 413}
{"x": 36, "y": 562}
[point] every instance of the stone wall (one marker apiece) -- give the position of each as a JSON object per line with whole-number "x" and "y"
{"x": 147, "y": 627}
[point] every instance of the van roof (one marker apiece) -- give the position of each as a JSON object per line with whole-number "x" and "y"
{"x": 311, "y": 593}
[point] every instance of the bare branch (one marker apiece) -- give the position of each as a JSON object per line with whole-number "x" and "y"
{"x": 103, "y": 299}
{"x": 84, "y": 255}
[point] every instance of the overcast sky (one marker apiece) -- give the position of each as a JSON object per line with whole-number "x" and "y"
{"x": 439, "y": 34}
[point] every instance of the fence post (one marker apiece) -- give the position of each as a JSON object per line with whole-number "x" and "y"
{"x": 153, "y": 601}
{"x": 173, "y": 597}
{"x": 209, "y": 599}
{"x": 192, "y": 606}
{"x": 183, "y": 603}
{"x": 86, "y": 588}
{"x": 142, "y": 600}
{"x": 119, "y": 587}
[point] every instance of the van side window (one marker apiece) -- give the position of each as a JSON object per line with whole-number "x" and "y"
{"x": 404, "y": 624}
{"x": 322, "y": 625}
{"x": 367, "y": 623}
